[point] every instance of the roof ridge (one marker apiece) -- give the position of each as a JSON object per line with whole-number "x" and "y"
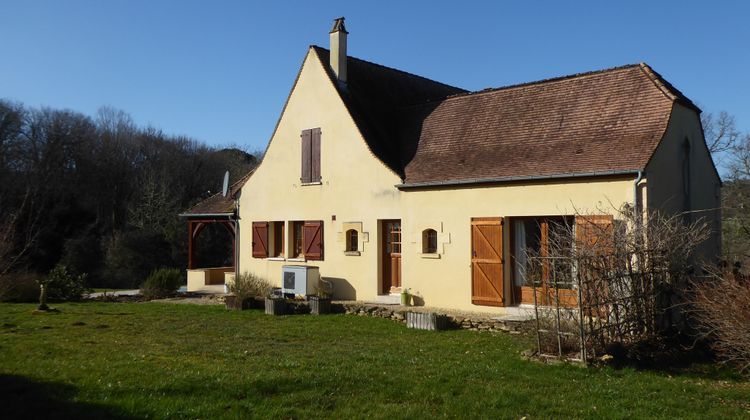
{"x": 547, "y": 80}
{"x": 393, "y": 69}
{"x": 526, "y": 84}
{"x": 666, "y": 88}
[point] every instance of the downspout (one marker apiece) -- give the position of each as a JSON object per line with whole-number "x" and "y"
{"x": 638, "y": 179}
{"x": 236, "y": 241}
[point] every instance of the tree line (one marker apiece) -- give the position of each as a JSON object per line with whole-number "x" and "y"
{"x": 101, "y": 195}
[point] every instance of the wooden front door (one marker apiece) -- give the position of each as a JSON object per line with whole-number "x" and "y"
{"x": 391, "y": 255}
{"x": 487, "y": 261}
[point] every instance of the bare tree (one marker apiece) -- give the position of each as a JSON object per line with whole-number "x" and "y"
{"x": 720, "y": 131}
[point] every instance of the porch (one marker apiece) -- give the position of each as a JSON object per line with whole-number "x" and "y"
{"x": 209, "y": 280}
{"x": 211, "y": 262}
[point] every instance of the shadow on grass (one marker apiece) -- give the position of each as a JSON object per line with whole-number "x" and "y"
{"x": 23, "y": 398}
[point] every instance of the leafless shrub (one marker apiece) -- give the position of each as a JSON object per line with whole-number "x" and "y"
{"x": 249, "y": 285}
{"x": 720, "y": 305}
{"x": 616, "y": 279}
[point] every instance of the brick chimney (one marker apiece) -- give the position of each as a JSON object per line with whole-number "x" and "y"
{"x": 338, "y": 49}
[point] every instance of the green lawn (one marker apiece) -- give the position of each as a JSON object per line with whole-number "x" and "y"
{"x": 95, "y": 360}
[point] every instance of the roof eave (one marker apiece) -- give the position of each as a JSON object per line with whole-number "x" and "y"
{"x": 500, "y": 180}
{"x": 206, "y": 214}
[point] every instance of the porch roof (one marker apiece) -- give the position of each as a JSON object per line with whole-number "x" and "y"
{"x": 218, "y": 205}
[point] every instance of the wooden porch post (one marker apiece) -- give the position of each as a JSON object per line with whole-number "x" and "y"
{"x": 191, "y": 251}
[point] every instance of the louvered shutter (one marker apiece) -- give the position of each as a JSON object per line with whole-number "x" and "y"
{"x": 306, "y": 156}
{"x": 260, "y": 239}
{"x": 315, "y": 156}
{"x": 312, "y": 235}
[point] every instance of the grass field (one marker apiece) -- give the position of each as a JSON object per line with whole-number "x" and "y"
{"x": 118, "y": 360}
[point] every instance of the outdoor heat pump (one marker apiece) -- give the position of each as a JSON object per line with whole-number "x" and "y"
{"x": 299, "y": 280}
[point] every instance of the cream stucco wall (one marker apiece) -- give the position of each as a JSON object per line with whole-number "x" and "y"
{"x": 355, "y": 187}
{"x": 665, "y": 183}
{"x": 446, "y": 281}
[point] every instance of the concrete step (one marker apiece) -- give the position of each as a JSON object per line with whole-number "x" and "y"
{"x": 394, "y": 299}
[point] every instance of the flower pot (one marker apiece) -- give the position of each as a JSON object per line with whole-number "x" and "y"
{"x": 405, "y": 299}
{"x": 319, "y": 305}
{"x": 275, "y": 306}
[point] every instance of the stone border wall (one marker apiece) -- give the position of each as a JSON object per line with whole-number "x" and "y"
{"x": 464, "y": 321}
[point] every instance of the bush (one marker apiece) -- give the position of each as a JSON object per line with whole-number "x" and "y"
{"x": 721, "y": 310}
{"x": 248, "y": 285}
{"x": 132, "y": 256}
{"x": 63, "y": 285}
{"x": 19, "y": 287}
{"x": 162, "y": 283}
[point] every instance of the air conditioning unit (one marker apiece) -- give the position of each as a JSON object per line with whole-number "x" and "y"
{"x": 299, "y": 280}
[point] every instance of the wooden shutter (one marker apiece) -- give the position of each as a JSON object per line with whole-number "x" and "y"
{"x": 315, "y": 156}
{"x": 487, "y": 261}
{"x": 312, "y": 240}
{"x": 260, "y": 239}
{"x": 595, "y": 245}
{"x": 594, "y": 234}
{"x": 306, "y": 156}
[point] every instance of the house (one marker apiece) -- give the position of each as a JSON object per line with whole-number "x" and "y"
{"x": 386, "y": 180}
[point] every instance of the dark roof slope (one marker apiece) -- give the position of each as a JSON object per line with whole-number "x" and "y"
{"x": 376, "y": 96}
{"x": 602, "y": 122}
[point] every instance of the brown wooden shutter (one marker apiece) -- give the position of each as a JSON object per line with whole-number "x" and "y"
{"x": 260, "y": 239}
{"x": 594, "y": 234}
{"x": 306, "y": 156}
{"x": 487, "y": 261}
{"x": 315, "y": 156}
{"x": 312, "y": 237}
{"x": 594, "y": 248}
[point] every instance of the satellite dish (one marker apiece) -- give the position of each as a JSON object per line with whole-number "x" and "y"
{"x": 225, "y": 187}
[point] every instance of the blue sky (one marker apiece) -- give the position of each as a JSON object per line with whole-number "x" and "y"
{"x": 220, "y": 71}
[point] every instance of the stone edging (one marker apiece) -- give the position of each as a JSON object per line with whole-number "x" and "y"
{"x": 398, "y": 314}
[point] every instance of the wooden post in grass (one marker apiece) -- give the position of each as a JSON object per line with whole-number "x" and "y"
{"x": 43, "y": 297}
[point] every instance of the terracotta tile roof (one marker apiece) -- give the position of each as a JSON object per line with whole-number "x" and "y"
{"x": 217, "y": 204}
{"x": 602, "y": 122}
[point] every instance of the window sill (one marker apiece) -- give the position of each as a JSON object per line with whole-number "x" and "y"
{"x": 275, "y": 259}
{"x": 296, "y": 259}
{"x": 304, "y": 184}
{"x": 352, "y": 253}
{"x": 431, "y": 256}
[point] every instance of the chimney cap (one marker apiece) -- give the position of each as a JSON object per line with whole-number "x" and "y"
{"x": 338, "y": 26}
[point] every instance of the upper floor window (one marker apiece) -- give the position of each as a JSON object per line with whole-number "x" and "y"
{"x": 310, "y": 156}
{"x": 352, "y": 240}
{"x": 429, "y": 241}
